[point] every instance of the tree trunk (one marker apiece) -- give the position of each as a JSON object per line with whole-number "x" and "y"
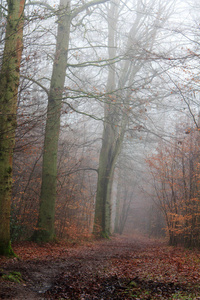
{"x": 117, "y": 213}
{"x": 9, "y": 82}
{"x": 45, "y": 226}
{"x": 112, "y": 139}
{"x": 107, "y": 154}
{"x": 107, "y": 159}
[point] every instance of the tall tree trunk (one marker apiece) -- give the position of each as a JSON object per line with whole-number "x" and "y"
{"x": 110, "y": 139}
{"x": 108, "y": 155}
{"x": 45, "y": 226}
{"x": 9, "y": 82}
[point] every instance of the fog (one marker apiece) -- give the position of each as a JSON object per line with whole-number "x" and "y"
{"x": 106, "y": 140}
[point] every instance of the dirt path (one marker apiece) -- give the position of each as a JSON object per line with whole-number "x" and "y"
{"x": 121, "y": 268}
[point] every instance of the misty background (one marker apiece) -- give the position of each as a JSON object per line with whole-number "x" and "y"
{"x": 132, "y": 68}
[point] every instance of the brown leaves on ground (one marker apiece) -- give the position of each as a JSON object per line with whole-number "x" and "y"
{"x": 130, "y": 267}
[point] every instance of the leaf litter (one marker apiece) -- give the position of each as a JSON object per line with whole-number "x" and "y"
{"x": 125, "y": 267}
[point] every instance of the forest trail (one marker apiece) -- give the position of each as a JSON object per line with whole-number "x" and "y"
{"x": 128, "y": 267}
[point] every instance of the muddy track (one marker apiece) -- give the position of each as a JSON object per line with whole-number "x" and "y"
{"x": 111, "y": 269}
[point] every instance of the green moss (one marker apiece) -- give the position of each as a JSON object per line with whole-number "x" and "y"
{"x": 6, "y": 250}
{"x": 13, "y": 276}
{"x": 9, "y": 170}
{"x": 105, "y": 235}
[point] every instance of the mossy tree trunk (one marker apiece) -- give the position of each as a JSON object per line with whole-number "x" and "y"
{"x": 45, "y": 226}
{"x": 9, "y": 82}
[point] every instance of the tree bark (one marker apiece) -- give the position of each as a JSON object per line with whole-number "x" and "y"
{"x": 45, "y": 226}
{"x": 9, "y": 82}
{"x": 111, "y": 140}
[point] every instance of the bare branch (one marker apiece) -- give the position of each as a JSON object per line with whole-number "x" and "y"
{"x": 85, "y": 6}
{"x": 4, "y": 8}
{"x": 40, "y": 3}
{"x": 38, "y": 83}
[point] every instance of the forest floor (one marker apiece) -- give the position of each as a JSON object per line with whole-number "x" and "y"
{"x": 128, "y": 267}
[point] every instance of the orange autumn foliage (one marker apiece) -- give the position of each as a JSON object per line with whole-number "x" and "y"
{"x": 175, "y": 171}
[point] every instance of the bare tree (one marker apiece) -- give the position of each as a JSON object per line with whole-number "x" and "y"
{"x": 122, "y": 103}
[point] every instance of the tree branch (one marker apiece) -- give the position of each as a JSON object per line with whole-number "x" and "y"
{"x": 62, "y": 174}
{"x": 35, "y": 81}
{"x": 85, "y": 6}
{"x": 40, "y": 3}
{"x": 3, "y": 7}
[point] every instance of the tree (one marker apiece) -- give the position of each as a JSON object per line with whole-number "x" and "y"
{"x": 45, "y": 226}
{"x": 121, "y": 106}
{"x": 9, "y": 82}
{"x": 110, "y": 142}
{"x": 175, "y": 172}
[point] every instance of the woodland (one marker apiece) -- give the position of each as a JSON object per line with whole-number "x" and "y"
{"x": 99, "y": 149}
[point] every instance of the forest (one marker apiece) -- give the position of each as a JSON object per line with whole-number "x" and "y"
{"x": 99, "y": 149}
